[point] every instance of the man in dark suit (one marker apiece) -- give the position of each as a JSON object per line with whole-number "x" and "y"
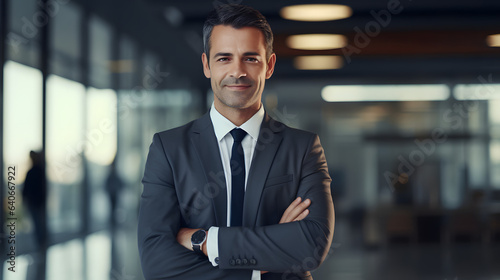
{"x": 235, "y": 194}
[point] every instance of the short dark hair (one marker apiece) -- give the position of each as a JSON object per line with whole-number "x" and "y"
{"x": 237, "y": 16}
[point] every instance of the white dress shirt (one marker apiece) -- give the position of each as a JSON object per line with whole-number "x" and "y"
{"x": 222, "y": 127}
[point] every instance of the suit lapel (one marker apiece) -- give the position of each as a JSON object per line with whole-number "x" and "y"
{"x": 205, "y": 144}
{"x": 269, "y": 140}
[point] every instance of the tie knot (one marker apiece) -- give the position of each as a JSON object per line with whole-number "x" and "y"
{"x": 238, "y": 134}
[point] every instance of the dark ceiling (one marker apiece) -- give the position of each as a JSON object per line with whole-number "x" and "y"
{"x": 428, "y": 41}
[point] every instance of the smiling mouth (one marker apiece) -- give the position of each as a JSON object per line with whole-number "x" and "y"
{"x": 237, "y": 87}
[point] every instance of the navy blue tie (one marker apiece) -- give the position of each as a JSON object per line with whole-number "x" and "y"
{"x": 237, "y": 177}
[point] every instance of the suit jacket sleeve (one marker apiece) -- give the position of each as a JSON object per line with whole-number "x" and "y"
{"x": 162, "y": 257}
{"x": 292, "y": 247}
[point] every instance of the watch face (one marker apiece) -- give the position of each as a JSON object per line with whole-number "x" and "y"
{"x": 198, "y": 237}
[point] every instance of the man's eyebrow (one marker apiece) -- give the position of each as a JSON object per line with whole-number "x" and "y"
{"x": 251, "y": 54}
{"x": 230, "y": 54}
{"x": 223, "y": 54}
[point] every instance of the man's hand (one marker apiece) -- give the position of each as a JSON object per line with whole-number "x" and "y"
{"x": 184, "y": 238}
{"x": 296, "y": 211}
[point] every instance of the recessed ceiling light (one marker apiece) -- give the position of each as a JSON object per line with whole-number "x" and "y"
{"x": 316, "y": 41}
{"x": 316, "y": 12}
{"x": 318, "y": 62}
{"x": 488, "y": 91}
{"x": 493, "y": 40}
{"x": 363, "y": 93}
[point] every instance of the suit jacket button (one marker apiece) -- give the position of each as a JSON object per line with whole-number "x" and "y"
{"x": 245, "y": 261}
{"x": 232, "y": 262}
{"x": 238, "y": 262}
{"x": 253, "y": 261}
{"x": 217, "y": 260}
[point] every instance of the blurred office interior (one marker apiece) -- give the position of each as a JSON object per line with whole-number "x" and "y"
{"x": 405, "y": 98}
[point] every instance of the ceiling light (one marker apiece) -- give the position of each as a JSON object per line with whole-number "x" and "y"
{"x": 316, "y": 12}
{"x": 316, "y": 41}
{"x": 493, "y": 40}
{"x": 357, "y": 93}
{"x": 477, "y": 91}
{"x": 318, "y": 62}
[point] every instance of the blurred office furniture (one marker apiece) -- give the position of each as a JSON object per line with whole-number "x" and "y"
{"x": 401, "y": 225}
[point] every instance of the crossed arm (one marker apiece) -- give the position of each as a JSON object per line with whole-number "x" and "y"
{"x": 277, "y": 248}
{"x": 295, "y": 212}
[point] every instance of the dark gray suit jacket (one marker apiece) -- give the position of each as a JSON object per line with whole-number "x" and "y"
{"x": 184, "y": 186}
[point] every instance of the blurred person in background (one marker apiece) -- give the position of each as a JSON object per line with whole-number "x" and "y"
{"x": 113, "y": 187}
{"x": 35, "y": 197}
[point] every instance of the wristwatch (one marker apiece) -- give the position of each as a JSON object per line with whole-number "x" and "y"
{"x": 197, "y": 240}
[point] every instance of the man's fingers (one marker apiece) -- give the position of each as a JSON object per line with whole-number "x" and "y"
{"x": 289, "y": 209}
{"x": 295, "y": 211}
{"x": 302, "y": 215}
{"x": 299, "y": 209}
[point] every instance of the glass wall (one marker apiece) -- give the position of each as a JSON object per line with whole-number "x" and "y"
{"x": 100, "y": 152}
{"x": 23, "y": 120}
{"x": 102, "y": 108}
{"x": 22, "y": 133}
{"x": 66, "y": 142}
{"x": 494, "y": 116}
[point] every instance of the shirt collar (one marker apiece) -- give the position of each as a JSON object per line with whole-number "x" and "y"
{"x": 222, "y": 126}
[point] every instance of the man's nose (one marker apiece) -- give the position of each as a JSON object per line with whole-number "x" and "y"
{"x": 238, "y": 70}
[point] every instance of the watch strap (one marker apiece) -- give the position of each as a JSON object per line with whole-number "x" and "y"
{"x": 197, "y": 248}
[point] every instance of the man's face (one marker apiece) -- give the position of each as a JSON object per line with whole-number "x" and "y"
{"x": 237, "y": 67}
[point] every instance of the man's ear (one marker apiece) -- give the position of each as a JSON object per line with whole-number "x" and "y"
{"x": 270, "y": 65}
{"x": 206, "y": 67}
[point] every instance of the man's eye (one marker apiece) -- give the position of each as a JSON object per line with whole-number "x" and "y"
{"x": 223, "y": 59}
{"x": 251, "y": 59}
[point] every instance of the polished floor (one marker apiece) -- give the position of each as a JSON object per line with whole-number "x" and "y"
{"x": 98, "y": 256}
{"x": 423, "y": 262}
{"x": 349, "y": 259}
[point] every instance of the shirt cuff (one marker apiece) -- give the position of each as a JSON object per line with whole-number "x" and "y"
{"x": 256, "y": 275}
{"x": 213, "y": 246}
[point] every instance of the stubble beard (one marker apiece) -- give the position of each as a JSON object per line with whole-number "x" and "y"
{"x": 233, "y": 101}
